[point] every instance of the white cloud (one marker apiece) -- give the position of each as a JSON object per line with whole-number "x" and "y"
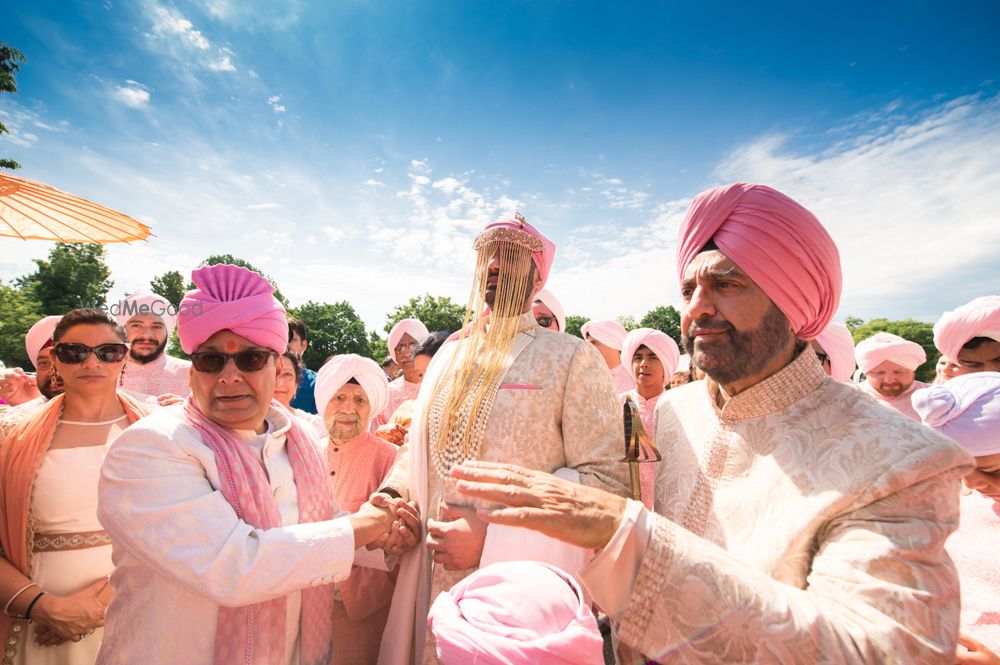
{"x": 264, "y": 206}
{"x": 447, "y": 185}
{"x": 274, "y": 101}
{"x": 132, "y": 94}
{"x": 221, "y": 64}
{"x": 168, "y": 22}
{"x": 176, "y": 35}
{"x": 372, "y": 182}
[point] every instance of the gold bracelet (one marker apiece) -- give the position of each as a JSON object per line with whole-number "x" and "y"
{"x": 6, "y": 608}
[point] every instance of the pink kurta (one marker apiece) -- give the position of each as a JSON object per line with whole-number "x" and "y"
{"x": 622, "y": 379}
{"x": 164, "y": 375}
{"x": 901, "y": 403}
{"x": 647, "y": 413}
{"x": 973, "y": 548}
{"x": 400, "y": 390}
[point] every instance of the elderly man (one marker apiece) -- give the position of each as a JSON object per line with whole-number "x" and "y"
{"x": 349, "y": 390}
{"x": 969, "y": 337}
{"x": 607, "y": 337}
{"x": 225, "y": 532}
{"x": 799, "y": 521}
{"x": 889, "y": 363}
{"x": 834, "y": 348}
{"x": 403, "y": 338}
{"x": 148, "y": 320}
{"x": 549, "y": 311}
{"x": 504, "y": 390}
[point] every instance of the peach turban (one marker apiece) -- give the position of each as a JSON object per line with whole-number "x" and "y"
{"x": 543, "y": 250}
{"x": 515, "y": 613}
{"x": 550, "y": 301}
{"x": 883, "y": 346}
{"x": 412, "y": 327}
{"x": 838, "y": 343}
{"x": 146, "y": 303}
{"x": 979, "y": 318}
{"x": 609, "y": 333}
{"x": 656, "y": 341}
{"x": 337, "y": 371}
{"x": 228, "y": 297}
{"x": 39, "y": 336}
{"x": 780, "y": 245}
{"x": 966, "y": 408}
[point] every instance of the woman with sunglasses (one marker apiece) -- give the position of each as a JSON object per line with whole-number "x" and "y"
{"x": 56, "y": 557}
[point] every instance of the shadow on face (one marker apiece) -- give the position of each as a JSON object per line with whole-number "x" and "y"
{"x": 233, "y": 397}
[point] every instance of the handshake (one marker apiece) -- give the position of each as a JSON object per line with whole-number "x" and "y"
{"x": 386, "y": 523}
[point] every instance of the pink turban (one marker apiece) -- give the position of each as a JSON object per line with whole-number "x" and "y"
{"x": 515, "y": 613}
{"x": 838, "y": 343}
{"x": 146, "y": 303}
{"x": 337, "y": 371}
{"x": 543, "y": 252}
{"x": 966, "y": 408}
{"x": 609, "y": 333}
{"x": 657, "y": 342}
{"x": 979, "y": 318}
{"x": 228, "y": 297}
{"x": 883, "y": 346}
{"x": 39, "y": 336}
{"x": 412, "y": 327}
{"x": 780, "y": 245}
{"x": 550, "y": 301}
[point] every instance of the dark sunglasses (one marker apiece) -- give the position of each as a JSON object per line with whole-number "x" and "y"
{"x": 544, "y": 321}
{"x": 74, "y": 354}
{"x": 213, "y": 362}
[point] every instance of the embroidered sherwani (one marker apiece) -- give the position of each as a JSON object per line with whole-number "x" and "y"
{"x": 555, "y": 408}
{"x": 901, "y": 403}
{"x": 164, "y": 375}
{"x": 800, "y": 523}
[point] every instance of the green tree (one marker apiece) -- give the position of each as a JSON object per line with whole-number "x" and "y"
{"x": 333, "y": 328}
{"x": 18, "y": 312}
{"x": 437, "y": 313}
{"x": 627, "y": 322}
{"x": 10, "y": 58}
{"x": 377, "y": 348}
{"x": 219, "y": 259}
{"x": 574, "y": 323}
{"x": 910, "y": 329}
{"x": 75, "y": 275}
{"x": 665, "y": 319}
{"x": 170, "y": 285}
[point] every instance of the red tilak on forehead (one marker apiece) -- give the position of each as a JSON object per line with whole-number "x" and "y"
{"x": 230, "y": 345}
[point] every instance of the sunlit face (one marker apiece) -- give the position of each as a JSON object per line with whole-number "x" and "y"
{"x": 648, "y": 371}
{"x": 822, "y": 357}
{"x": 544, "y": 316}
{"x": 348, "y": 413}
{"x": 44, "y": 374}
{"x": 939, "y": 370}
{"x": 404, "y": 351}
{"x": 91, "y": 376}
{"x": 730, "y": 328}
{"x": 679, "y": 379}
{"x": 420, "y": 364}
{"x": 984, "y": 358}
{"x": 296, "y": 344}
{"x": 890, "y": 379}
{"x": 234, "y": 398}
{"x": 147, "y": 335}
{"x": 286, "y": 383}
{"x": 986, "y": 478}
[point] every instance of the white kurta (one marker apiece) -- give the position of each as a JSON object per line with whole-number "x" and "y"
{"x": 181, "y": 552}
{"x": 164, "y": 375}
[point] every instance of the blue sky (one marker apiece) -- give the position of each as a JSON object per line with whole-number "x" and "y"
{"x": 352, "y": 149}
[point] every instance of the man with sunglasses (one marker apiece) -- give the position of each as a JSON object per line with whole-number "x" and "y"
{"x": 225, "y": 530}
{"x": 549, "y": 311}
{"x": 148, "y": 320}
{"x": 403, "y": 338}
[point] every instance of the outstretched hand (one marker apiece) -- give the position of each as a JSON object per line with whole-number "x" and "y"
{"x": 566, "y": 511}
{"x": 404, "y": 532}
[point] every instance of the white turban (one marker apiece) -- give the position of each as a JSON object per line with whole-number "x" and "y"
{"x": 550, "y": 301}
{"x": 658, "y": 342}
{"x": 609, "y": 333}
{"x": 39, "y": 335}
{"x": 838, "y": 344}
{"x": 411, "y": 327}
{"x": 332, "y": 376}
{"x": 966, "y": 408}
{"x": 883, "y": 346}
{"x": 146, "y": 303}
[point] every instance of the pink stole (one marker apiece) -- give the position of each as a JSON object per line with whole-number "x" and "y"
{"x": 256, "y": 633}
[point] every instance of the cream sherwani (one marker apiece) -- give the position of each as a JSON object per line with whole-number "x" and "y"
{"x": 164, "y": 375}
{"x": 181, "y": 552}
{"x": 555, "y": 408}
{"x": 901, "y": 403}
{"x": 800, "y": 523}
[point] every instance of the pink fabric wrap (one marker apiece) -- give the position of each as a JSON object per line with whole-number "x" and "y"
{"x": 228, "y": 297}
{"x": 337, "y": 371}
{"x": 39, "y": 335}
{"x": 966, "y": 408}
{"x": 256, "y": 633}
{"x": 543, "y": 259}
{"x": 515, "y": 613}
{"x": 878, "y": 348}
{"x": 156, "y": 304}
{"x": 838, "y": 343}
{"x": 780, "y": 245}
{"x": 550, "y": 301}
{"x": 412, "y": 327}
{"x": 979, "y": 318}
{"x": 656, "y": 341}
{"x": 609, "y": 333}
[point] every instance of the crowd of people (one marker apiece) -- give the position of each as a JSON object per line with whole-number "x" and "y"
{"x": 766, "y": 492}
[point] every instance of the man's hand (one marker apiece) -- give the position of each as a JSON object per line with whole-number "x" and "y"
{"x": 166, "y": 399}
{"x": 13, "y": 381}
{"x": 973, "y": 652}
{"x": 566, "y": 511}
{"x": 457, "y": 543}
{"x": 370, "y": 523}
{"x": 394, "y": 434}
{"x": 404, "y": 532}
